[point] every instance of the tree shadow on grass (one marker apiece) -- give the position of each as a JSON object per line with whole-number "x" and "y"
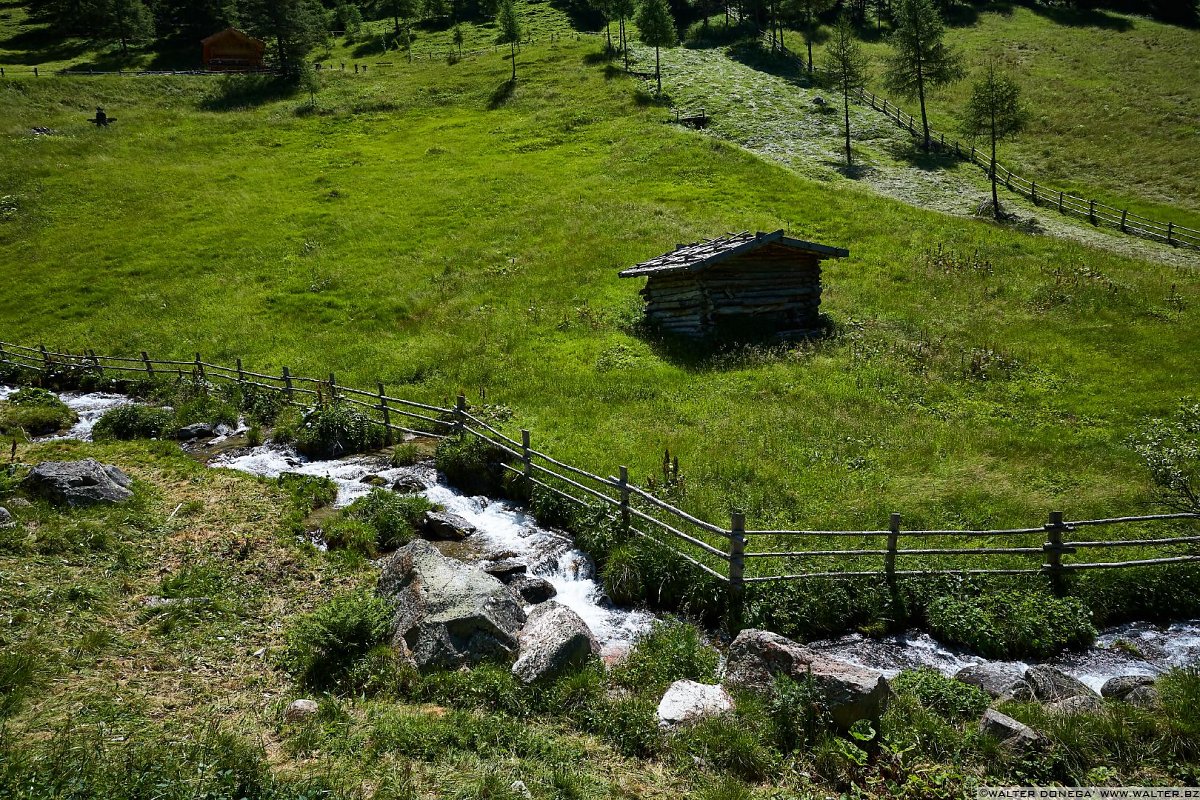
{"x": 914, "y": 155}
{"x": 502, "y": 95}
{"x": 234, "y": 92}
{"x": 751, "y": 54}
{"x": 644, "y": 97}
{"x": 605, "y": 56}
{"x": 40, "y": 45}
{"x": 1081, "y": 17}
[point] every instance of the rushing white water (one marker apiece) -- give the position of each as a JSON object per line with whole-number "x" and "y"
{"x": 506, "y": 530}
{"x": 1138, "y": 648}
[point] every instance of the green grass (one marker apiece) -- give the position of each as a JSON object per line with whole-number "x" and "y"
{"x": 1112, "y": 114}
{"x": 425, "y": 229}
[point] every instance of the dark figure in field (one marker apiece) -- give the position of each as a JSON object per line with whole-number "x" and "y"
{"x": 101, "y": 119}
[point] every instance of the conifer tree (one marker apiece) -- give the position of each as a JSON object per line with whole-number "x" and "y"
{"x": 921, "y": 58}
{"x": 656, "y": 28}
{"x": 846, "y": 65}
{"x": 994, "y": 111}
{"x": 510, "y": 31}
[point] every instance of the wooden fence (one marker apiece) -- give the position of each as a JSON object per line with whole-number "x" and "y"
{"x": 1091, "y": 210}
{"x": 735, "y": 556}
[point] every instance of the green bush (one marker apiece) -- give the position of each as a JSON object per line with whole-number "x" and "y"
{"x": 133, "y": 422}
{"x": 666, "y": 581}
{"x": 487, "y": 687}
{"x": 308, "y": 492}
{"x": 333, "y": 430}
{"x": 813, "y": 609}
{"x": 354, "y": 535}
{"x": 671, "y": 650}
{"x": 726, "y": 744}
{"x": 405, "y": 455}
{"x": 35, "y": 412}
{"x": 1165, "y": 592}
{"x": 19, "y": 668}
{"x": 936, "y": 692}
{"x": 629, "y": 724}
{"x": 471, "y": 465}
{"x": 394, "y": 517}
{"x": 261, "y": 406}
{"x": 1012, "y": 624}
{"x": 798, "y": 713}
{"x": 324, "y": 645}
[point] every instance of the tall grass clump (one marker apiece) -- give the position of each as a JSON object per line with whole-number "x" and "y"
{"x": 671, "y": 650}
{"x": 332, "y": 430}
{"x": 325, "y": 644}
{"x": 472, "y": 465}
{"x": 35, "y": 412}
{"x": 395, "y": 518}
{"x": 133, "y": 422}
{"x": 1013, "y": 623}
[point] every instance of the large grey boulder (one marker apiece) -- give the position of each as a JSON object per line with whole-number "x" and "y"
{"x": 1049, "y": 684}
{"x": 688, "y": 701}
{"x": 78, "y": 483}
{"x": 507, "y": 570}
{"x": 850, "y": 692}
{"x": 6, "y": 518}
{"x": 1122, "y": 685}
{"x": 995, "y": 679}
{"x": 301, "y": 709}
{"x": 1078, "y": 704}
{"x": 532, "y": 589}
{"x": 553, "y": 640}
{"x": 197, "y": 430}
{"x": 448, "y": 614}
{"x": 443, "y": 526}
{"x": 1012, "y": 734}
{"x": 1146, "y": 697}
{"x": 1019, "y": 692}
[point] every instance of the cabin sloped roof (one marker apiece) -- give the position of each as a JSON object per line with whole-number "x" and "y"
{"x": 233, "y": 33}
{"x": 701, "y": 255}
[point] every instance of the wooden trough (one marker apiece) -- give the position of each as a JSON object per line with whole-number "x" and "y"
{"x": 752, "y": 285}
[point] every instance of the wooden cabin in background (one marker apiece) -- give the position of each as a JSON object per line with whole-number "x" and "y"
{"x": 751, "y": 284}
{"x": 231, "y": 50}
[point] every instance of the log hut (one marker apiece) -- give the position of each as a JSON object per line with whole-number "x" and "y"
{"x": 232, "y": 50}
{"x": 746, "y": 284}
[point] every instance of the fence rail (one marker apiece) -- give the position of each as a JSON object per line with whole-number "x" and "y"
{"x": 730, "y": 555}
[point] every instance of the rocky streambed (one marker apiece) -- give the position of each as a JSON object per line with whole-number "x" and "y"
{"x": 508, "y": 543}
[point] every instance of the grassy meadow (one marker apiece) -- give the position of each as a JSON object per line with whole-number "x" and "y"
{"x": 433, "y": 229}
{"x": 1111, "y": 99}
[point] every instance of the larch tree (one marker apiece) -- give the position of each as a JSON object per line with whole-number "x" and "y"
{"x": 656, "y": 28}
{"x": 291, "y": 27}
{"x": 920, "y": 58}
{"x": 806, "y": 13}
{"x": 510, "y": 31}
{"x": 127, "y": 21}
{"x": 994, "y": 111}
{"x": 623, "y": 10}
{"x": 605, "y": 9}
{"x": 846, "y": 65}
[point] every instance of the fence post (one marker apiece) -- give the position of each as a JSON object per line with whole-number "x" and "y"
{"x": 3, "y": 355}
{"x": 1054, "y": 550}
{"x": 45, "y": 356}
{"x": 623, "y": 486}
{"x": 199, "y": 367}
{"x": 737, "y": 569}
{"x": 149, "y": 366}
{"x": 387, "y": 416}
{"x": 460, "y": 415}
{"x": 96, "y": 360}
{"x": 1092, "y": 211}
{"x": 1060, "y": 199}
{"x": 332, "y": 388}
{"x": 1033, "y": 192}
{"x": 1170, "y": 229}
{"x": 241, "y": 373}
{"x": 1124, "y": 214}
{"x": 889, "y": 560}
{"x": 287, "y": 383}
